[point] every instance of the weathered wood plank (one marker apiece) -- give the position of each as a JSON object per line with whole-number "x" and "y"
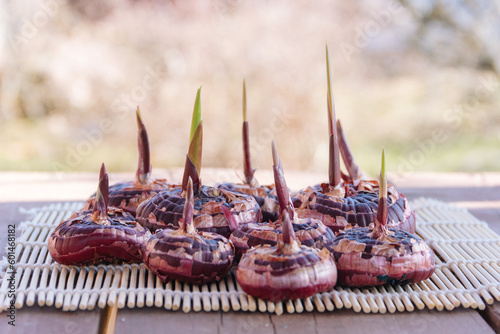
{"x": 51, "y": 321}
{"x": 459, "y": 321}
{"x": 246, "y": 323}
{"x": 492, "y": 316}
{"x": 159, "y": 320}
{"x": 297, "y": 323}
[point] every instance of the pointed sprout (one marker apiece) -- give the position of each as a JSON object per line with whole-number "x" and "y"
{"x": 195, "y": 138}
{"x": 290, "y": 245}
{"x": 192, "y": 167}
{"x": 144, "y": 162}
{"x": 349, "y": 162}
{"x": 247, "y": 158}
{"x": 244, "y": 101}
{"x": 334, "y": 175}
{"x": 231, "y": 221}
{"x": 280, "y": 183}
{"x": 383, "y": 178}
{"x": 196, "y": 119}
{"x": 276, "y": 158}
{"x": 102, "y": 171}
{"x": 188, "y": 212}
{"x": 382, "y": 210}
{"x": 288, "y": 232}
{"x": 195, "y": 147}
{"x": 102, "y": 194}
{"x": 331, "y": 105}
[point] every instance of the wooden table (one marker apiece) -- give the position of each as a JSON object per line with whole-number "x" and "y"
{"x": 479, "y": 193}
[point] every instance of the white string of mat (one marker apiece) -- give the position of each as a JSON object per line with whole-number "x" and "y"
{"x": 467, "y": 275}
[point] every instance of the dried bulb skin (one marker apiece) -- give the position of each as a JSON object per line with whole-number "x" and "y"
{"x": 81, "y": 240}
{"x": 310, "y": 232}
{"x": 196, "y": 258}
{"x": 186, "y": 255}
{"x": 352, "y": 206}
{"x": 254, "y": 234}
{"x": 165, "y": 209}
{"x": 288, "y": 270}
{"x": 129, "y": 195}
{"x": 264, "y": 195}
{"x": 265, "y": 273}
{"x": 398, "y": 257}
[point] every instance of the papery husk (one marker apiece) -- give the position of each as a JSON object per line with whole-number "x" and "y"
{"x": 286, "y": 271}
{"x": 262, "y": 273}
{"x": 397, "y": 258}
{"x": 254, "y": 234}
{"x": 186, "y": 254}
{"x": 264, "y": 195}
{"x": 165, "y": 209}
{"x": 352, "y": 205}
{"x": 100, "y": 235}
{"x": 129, "y": 195}
{"x": 380, "y": 255}
{"x": 80, "y": 240}
{"x": 201, "y": 259}
{"x": 312, "y": 232}
{"x": 309, "y": 232}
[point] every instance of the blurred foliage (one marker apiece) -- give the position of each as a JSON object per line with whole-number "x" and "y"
{"x": 419, "y": 78}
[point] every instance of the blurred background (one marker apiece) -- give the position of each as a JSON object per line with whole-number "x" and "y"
{"x": 419, "y": 78}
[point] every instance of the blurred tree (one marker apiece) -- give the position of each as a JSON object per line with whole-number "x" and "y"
{"x": 458, "y": 33}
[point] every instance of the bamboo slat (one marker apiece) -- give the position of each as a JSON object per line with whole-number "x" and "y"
{"x": 467, "y": 275}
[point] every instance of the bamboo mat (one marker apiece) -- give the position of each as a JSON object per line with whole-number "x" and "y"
{"x": 467, "y": 275}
